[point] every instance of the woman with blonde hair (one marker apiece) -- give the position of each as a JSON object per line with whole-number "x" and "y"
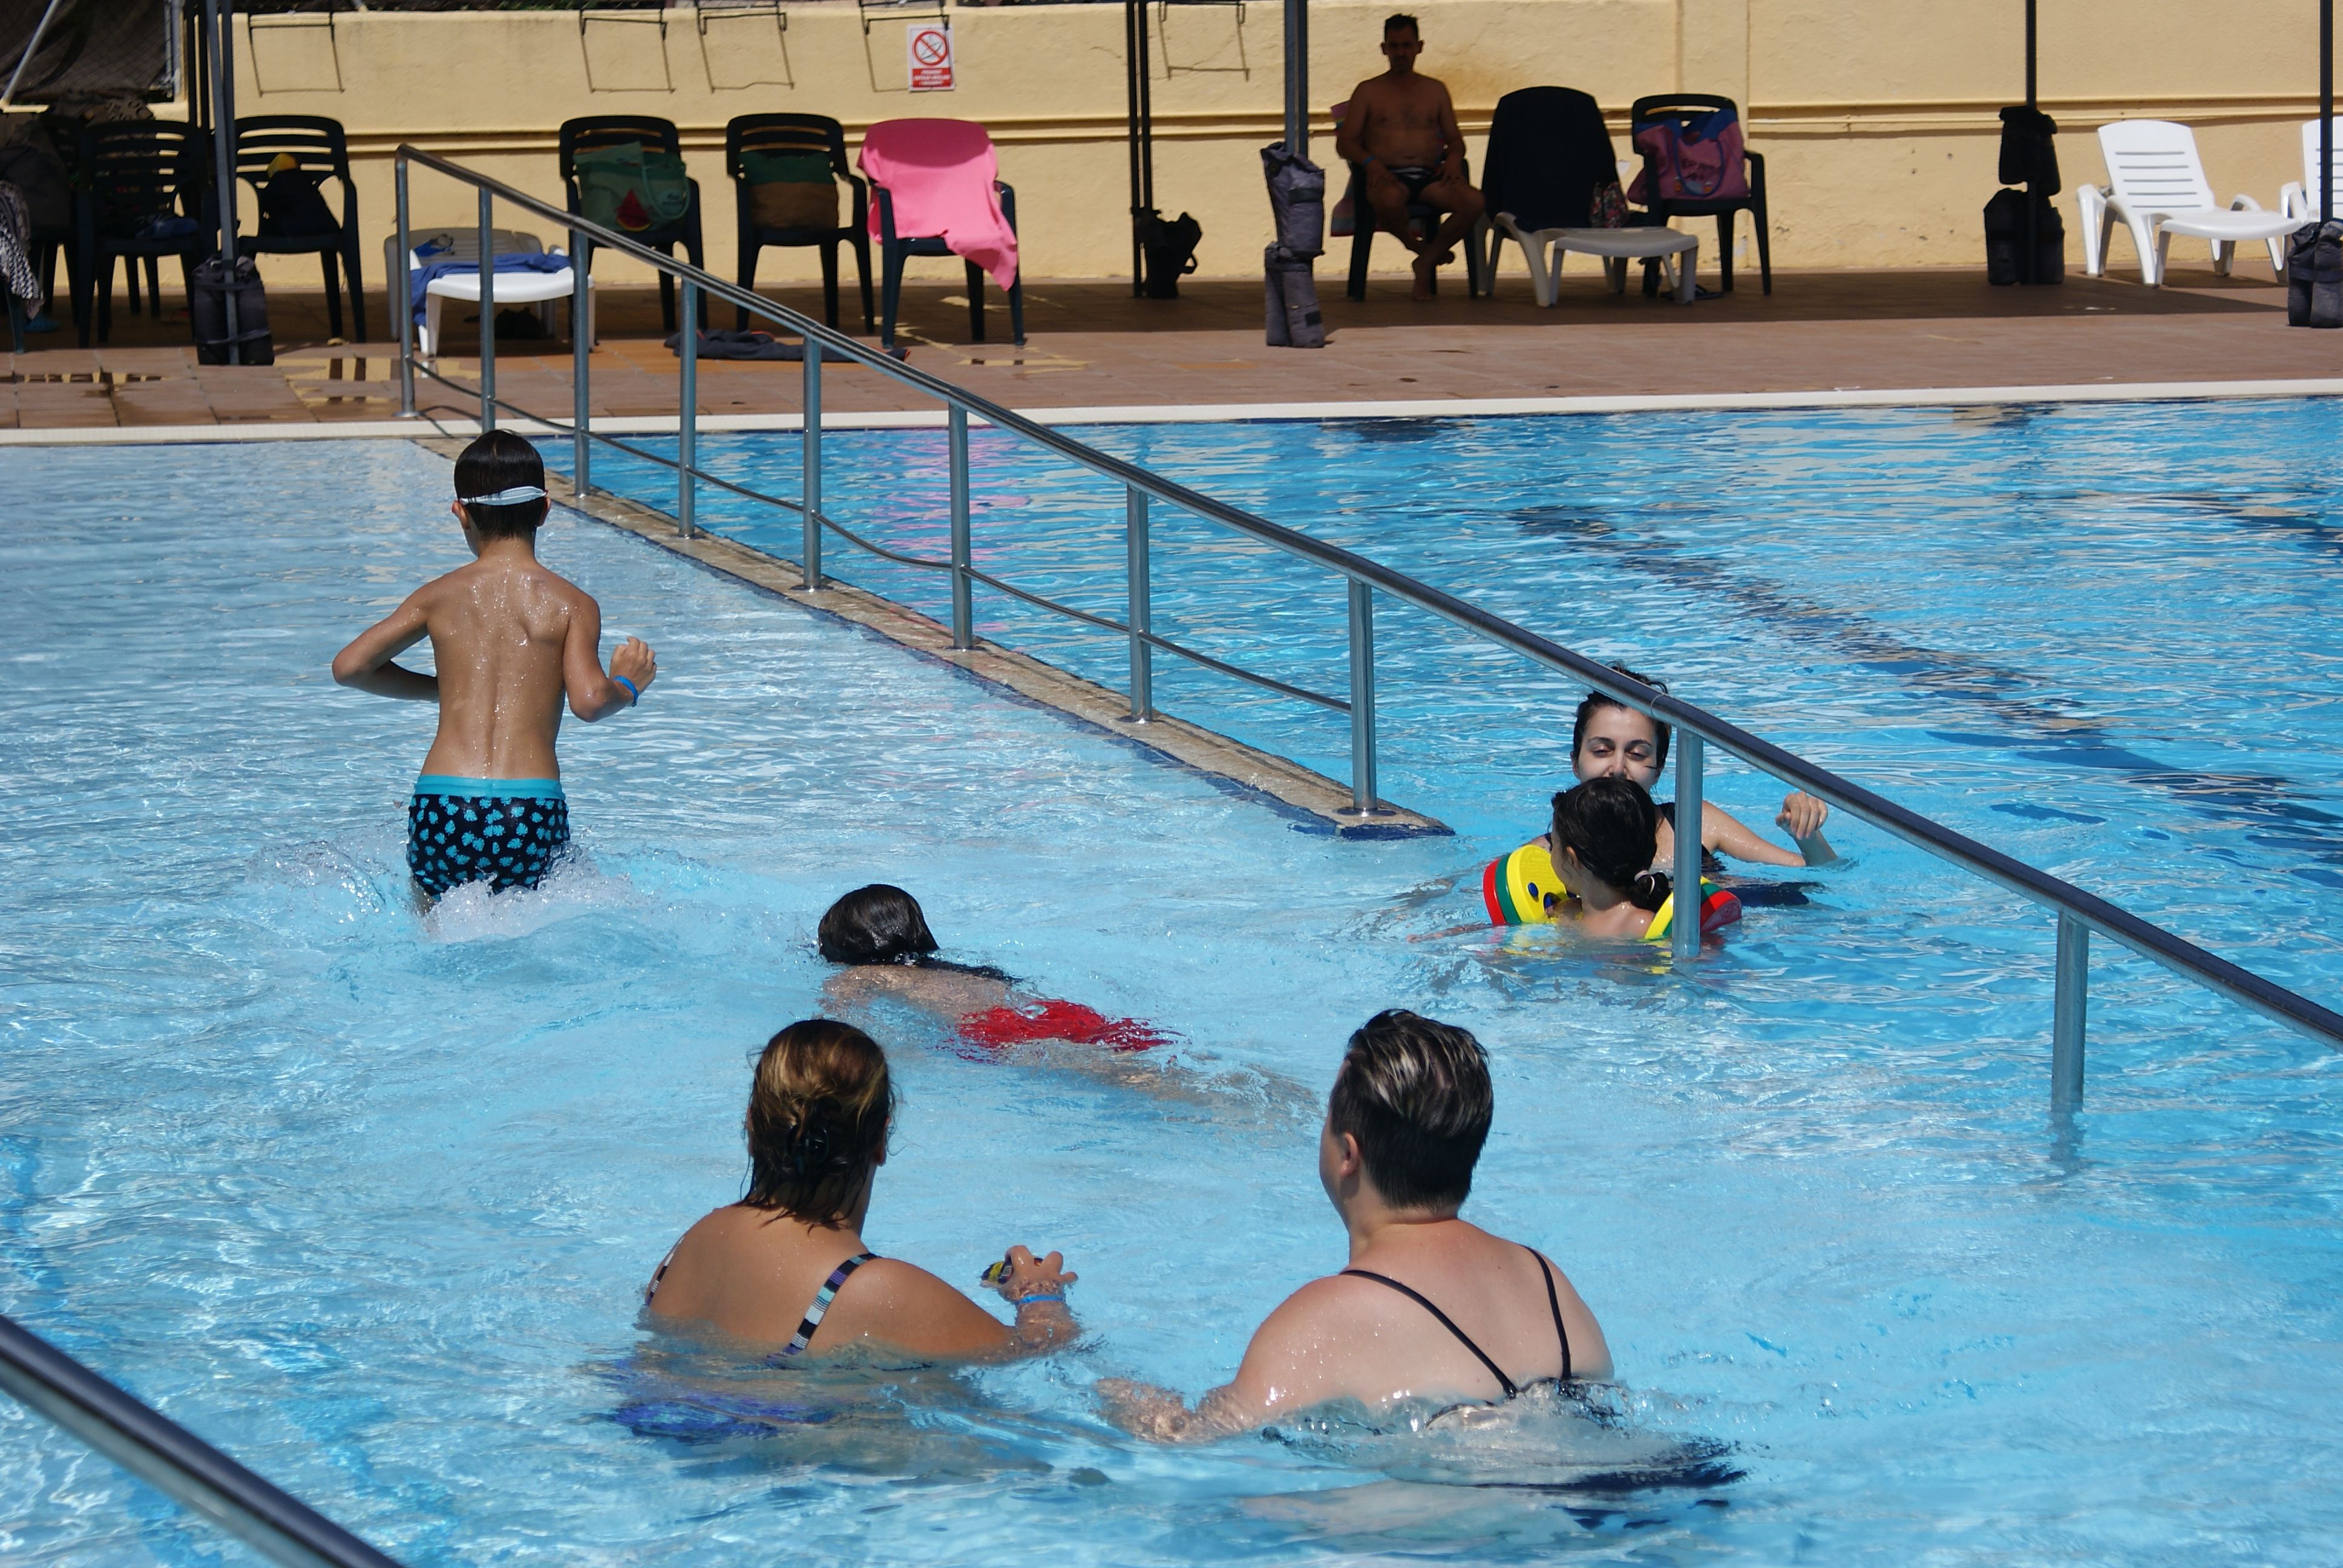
{"x": 786, "y": 1264}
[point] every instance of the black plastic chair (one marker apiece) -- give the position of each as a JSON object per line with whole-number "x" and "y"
{"x": 321, "y": 148}
{"x": 131, "y": 173}
{"x": 1362, "y": 235}
{"x": 1721, "y": 209}
{"x": 595, "y": 131}
{"x": 893, "y": 249}
{"x": 801, "y": 134}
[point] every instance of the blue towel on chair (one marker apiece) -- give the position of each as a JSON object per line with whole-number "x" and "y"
{"x": 419, "y": 280}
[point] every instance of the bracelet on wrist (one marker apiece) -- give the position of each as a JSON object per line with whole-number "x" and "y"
{"x": 634, "y": 692}
{"x": 1028, "y": 1301}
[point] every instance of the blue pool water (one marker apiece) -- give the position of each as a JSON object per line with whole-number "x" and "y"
{"x": 366, "y": 1198}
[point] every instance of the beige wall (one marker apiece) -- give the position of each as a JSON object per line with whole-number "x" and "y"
{"x": 1876, "y": 115}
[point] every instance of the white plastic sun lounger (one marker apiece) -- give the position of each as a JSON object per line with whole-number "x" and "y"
{"x": 2299, "y": 201}
{"x": 2157, "y": 188}
{"x": 513, "y": 288}
{"x": 1544, "y": 249}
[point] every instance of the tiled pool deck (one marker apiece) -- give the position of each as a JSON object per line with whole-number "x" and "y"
{"x": 1092, "y": 346}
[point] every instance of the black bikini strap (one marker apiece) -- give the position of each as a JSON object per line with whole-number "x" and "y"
{"x": 1462, "y": 1337}
{"x": 1554, "y": 1302}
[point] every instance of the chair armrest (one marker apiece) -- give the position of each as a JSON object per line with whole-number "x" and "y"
{"x": 1008, "y": 202}
{"x": 861, "y": 222}
{"x": 1757, "y": 162}
{"x": 2244, "y": 204}
{"x": 886, "y": 212}
{"x": 570, "y": 188}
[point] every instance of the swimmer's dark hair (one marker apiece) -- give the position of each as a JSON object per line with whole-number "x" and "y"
{"x": 1596, "y": 699}
{"x": 1416, "y": 1094}
{"x": 880, "y": 924}
{"x": 818, "y": 1117}
{"x": 1398, "y": 20}
{"x": 1614, "y": 829}
{"x": 501, "y": 460}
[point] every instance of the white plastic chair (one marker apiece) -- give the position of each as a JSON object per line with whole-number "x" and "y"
{"x": 2157, "y": 188}
{"x": 513, "y": 288}
{"x": 2299, "y": 199}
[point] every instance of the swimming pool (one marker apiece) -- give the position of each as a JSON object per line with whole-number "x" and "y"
{"x": 367, "y": 1200}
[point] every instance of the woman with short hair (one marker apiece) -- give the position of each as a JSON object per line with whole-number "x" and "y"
{"x": 1431, "y": 1308}
{"x": 786, "y": 1264}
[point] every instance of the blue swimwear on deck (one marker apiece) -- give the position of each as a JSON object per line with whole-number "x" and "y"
{"x": 506, "y": 833}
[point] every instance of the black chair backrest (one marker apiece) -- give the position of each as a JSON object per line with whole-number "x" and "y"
{"x": 592, "y": 131}
{"x": 134, "y": 169}
{"x": 317, "y": 143}
{"x": 1662, "y": 101}
{"x": 784, "y": 134}
{"x": 1548, "y": 152}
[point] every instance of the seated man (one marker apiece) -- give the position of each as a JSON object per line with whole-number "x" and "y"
{"x": 1401, "y": 130}
{"x": 1431, "y": 1307}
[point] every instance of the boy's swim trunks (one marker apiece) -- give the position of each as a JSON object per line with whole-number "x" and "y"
{"x": 505, "y": 832}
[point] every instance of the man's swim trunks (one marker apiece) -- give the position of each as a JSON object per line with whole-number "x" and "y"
{"x": 1414, "y": 178}
{"x": 506, "y": 833}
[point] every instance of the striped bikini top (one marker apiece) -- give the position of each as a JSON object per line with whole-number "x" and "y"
{"x": 814, "y": 1314}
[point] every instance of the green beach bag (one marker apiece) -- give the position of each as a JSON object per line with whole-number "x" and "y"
{"x": 622, "y": 186}
{"x": 790, "y": 190}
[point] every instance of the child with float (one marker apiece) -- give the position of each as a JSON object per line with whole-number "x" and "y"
{"x": 1599, "y": 876}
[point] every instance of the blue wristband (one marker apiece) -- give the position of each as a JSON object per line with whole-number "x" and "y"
{"x": 632, "y": 690}
{"x": 1028, "y": 1301}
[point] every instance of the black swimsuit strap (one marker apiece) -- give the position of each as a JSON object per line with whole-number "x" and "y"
{"x": 1462, "y": 1337}
{"x": 1554, "y": 1303}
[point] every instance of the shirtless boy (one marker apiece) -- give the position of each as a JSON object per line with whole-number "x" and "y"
{"x": 1401, "y": 129}
{"x": 511, "y": 641}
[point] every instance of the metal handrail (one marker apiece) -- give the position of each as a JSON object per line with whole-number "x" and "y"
{"x": 2079, "y": 912}
{"x": 174, "y": 1461}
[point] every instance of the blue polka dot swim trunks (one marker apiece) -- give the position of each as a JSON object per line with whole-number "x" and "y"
{"x": 506, "y": 833}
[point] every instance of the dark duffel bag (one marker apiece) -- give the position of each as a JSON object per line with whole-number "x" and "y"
{"x": 207, "y": 296}
{"x": 2314, "y": 274}
{"x": 1289, "y": 296}
{"x": 1169, "y": 248}
{"x": 2004, "y": 240}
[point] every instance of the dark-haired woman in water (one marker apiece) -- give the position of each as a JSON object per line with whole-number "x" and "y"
{"x": 1602, "y": 839}
{"x": 1609, "y": 738}
{"x": 880, "y": 934}
{"x": 786, "y": 1264}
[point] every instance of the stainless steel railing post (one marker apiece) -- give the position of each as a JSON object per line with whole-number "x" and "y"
{"x": 581, "y": 351}
{"x": 1691, "y": 757}
{"x": 2068, "y": 1007}
{"x": 1141, "y": 619}
{"x": 964, "y": 625}
{"x": 1363, "y": 795}
{"x": 399, "y": 297}
{"x": 812, "y": 545}
{"x": 687, "y": 425}
{"x": 487, "y": 315}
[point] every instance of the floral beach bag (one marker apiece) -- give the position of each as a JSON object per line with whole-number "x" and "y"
{"x": 1696, "y": 153}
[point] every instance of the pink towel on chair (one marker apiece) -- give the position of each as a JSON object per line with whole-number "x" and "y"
{"x": 941, "y": 173}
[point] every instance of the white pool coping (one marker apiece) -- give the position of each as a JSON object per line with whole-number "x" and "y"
{"x": 1216, "y": 413}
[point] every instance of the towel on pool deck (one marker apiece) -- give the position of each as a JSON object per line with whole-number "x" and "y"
{"x": 940, "y": 175}
{"x": 419, "y": 279}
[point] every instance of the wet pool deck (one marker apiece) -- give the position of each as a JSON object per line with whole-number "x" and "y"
{"x": 1092, "y": 345}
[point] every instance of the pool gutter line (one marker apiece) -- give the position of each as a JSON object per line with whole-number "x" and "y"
{"x": 1315, "y": 802}
{"x": 1227, "y": 413}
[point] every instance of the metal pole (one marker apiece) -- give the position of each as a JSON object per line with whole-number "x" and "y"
{"x": 487, "y": 316}
{"x": 173, "y": 1460}
{"x": 2029, "y": 56}
{"x": 687, "y": 427}
{"x": 32, "y": 47}
{"x": 582, "y": 387}
{"x": 1133, "y": 19}
{"x": 2326, "y": 109}
{"x": 224, "y": 166}
{"x": 964, "y": 627}
{"x": 813, "y": 501}
{"x": 1297, "y": 77}
{"x": 2069, "y": 1007}
{"x": 400, "y": 297}
{"x": 1140, "y": 591}
{"x": 1689, "y": 759}
{"x": 1363, "y": 795}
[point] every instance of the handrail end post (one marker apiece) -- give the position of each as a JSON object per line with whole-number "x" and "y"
{"x": 963, "y": 587}
{"x": 2069, "y": 1009}
{"x": 686, "y": 423}
{"x": 811, "y": 539}
{"x": 1138, "y": 585}
{"x": 1365, "y": 794}
{"x": 1690, "y": 764}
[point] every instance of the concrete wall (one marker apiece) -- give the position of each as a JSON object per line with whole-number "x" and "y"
{"x": 1876, "y": 115}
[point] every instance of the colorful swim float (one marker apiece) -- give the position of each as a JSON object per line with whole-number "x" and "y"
{"x": 1521, "y": 888}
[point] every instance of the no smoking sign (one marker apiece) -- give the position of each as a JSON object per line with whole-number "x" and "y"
{"x": 927, "y": 53}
